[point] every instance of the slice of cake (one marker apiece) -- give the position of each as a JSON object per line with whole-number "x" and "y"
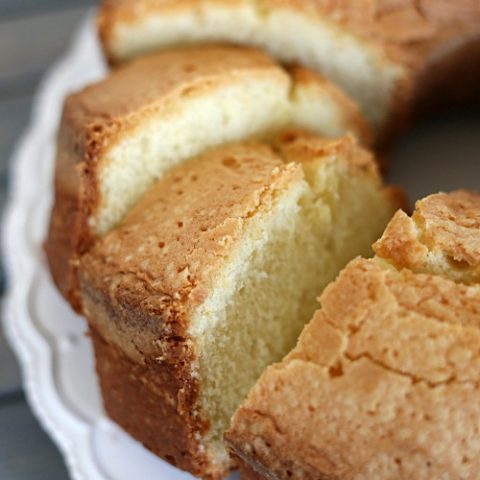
{"x": 386, "y": 54}
{"x": 384, "y": 381}
{"x": 211, "y": 277}
{"x": 120, "y": 135}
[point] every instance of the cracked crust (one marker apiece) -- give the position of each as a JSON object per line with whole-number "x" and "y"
{"x": 433, "y": 46}
{"x": 97, "y": 118}
{"x": 385, "y": 380}
{"x": 381, "y": 385}
{"x": 182, "y": 229}
{"x": 405, "y": 28}
{"x": 441, "y": 237}
{"x": 142, "y": 282}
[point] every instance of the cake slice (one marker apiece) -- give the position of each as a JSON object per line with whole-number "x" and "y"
{"x": 120, "y": 135}
{"x": 384, "y": 381}
{"x": 387, "y": 55}
{"x": 211, "y": 277}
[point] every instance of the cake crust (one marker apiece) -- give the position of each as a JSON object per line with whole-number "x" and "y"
{"x": 406, "y": 29}
{"x": 371, "y": 387}
{"x": 95, "y": 119}
{"x": 384, "y": 380}
{"x": 444, "y": 225}
{"x": 425, "y": 43}
{"x": 95, "y": 116}
{"x": 142, "y": 283}
{"x": 144, "y": 399}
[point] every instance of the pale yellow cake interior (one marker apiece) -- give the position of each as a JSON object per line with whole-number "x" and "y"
{"x": 268, "y": 288}
{"x": 244, "y": 107}
{"x": 287, "y": 33}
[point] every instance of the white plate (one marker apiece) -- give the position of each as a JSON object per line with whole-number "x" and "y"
{"x": 48, "y": 338}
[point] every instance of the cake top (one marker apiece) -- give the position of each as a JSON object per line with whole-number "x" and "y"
{"x": 299, "y": 146}
{"x": 384, "y": 379}
{"x": 185, "y": 225}
{"x": 177, "y": 236}
{"x": 162, "y": 79}
{"x": 441, "y": 236}
{"x": 390, "y": 354}
{"x": 408, "y": 25}
{"x": 421, "y": 326}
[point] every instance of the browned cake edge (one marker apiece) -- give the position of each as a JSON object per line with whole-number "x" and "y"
{"x": 246, "y": 470}
{"x": 437, "y": 45}
{"x": 151, "y": 402}
{"x": 253, "y": 429}
{"x": 85, "y": 133}
{"x": 76, "y": 195}
{"x": 147, "y": 386}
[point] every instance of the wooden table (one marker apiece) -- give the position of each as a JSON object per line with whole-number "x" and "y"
{"x": 33, "y": 33}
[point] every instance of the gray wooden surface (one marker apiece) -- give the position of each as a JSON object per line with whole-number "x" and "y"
{"x": 443, "y": 153}
{"x": 33, "y": 33}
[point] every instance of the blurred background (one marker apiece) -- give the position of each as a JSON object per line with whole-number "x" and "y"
{"x": 33, "y": 34}
{"x": 442, "y": 153}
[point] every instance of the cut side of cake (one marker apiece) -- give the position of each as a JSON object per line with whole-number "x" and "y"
{"x": 384, "y": 54}
{"x": 211, "y": 277}
{"x": 120, "y": 135}
{"x": 384, "y": 381}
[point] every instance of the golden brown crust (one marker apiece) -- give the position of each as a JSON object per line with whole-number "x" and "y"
{"x": 450, "y": 222}
{"x": 299, "y": 146}
{"x": 385, "y": 380}
{"x": 142, "y": 281}
{"x": 296, "y": 145}
{"x": 304, "y": 77}
{"x": 433, "y": 40}
{"x": 152, "y": 79}
{"x": 373, "y": 383}
{"x": 407, "y": 28}
{"x": 181, "y": 230}
{"x": 75, "y": 196}
{"x": 434, "y": 44}
{"x": 112, "y": 12}
{"x": 246, "y": 471}
{"x": 151, "y": 402}
{"x": 94, "y": 117}
{"x": 443, "y": 229}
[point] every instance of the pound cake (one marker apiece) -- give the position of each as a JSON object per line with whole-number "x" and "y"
{"x": 212, "y": 275}
{"x": 388, "y": 55}
{"x": 120, "y": 135}
{"x": 384, "y": 381}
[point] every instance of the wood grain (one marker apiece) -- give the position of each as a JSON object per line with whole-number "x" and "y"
{"x": 26, "y": 453}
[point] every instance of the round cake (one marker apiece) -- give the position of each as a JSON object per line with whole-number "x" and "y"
{"x": 217, "y": 181}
